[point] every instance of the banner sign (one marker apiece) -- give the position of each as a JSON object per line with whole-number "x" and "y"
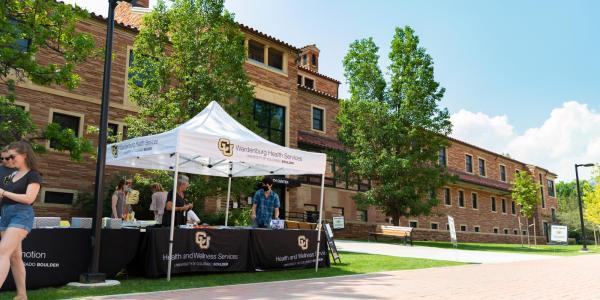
{"x": 196, "y": 250}
{"x": 452, "y": 231}
{"x": 57, "y": 256}
{"x": 284, "y": 249}
{"x": 559, "y": 233}
{"x": 338, "y": 222}
{"x": 331, "y": 243}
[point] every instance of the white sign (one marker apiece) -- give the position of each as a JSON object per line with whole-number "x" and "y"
{"x": 452, "y": 230}
{"x": 338, "y": 222}
{"x": 558, "y": 233}
{"x": 277, "y": 224}
{"x": 328, "y": 230}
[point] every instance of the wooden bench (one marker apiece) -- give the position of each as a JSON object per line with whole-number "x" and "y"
{"x": 299, "y": 225}
{"x": 394, "y": 232}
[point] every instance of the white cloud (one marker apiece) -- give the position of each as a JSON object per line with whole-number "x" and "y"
{"x": 570, "y": 135}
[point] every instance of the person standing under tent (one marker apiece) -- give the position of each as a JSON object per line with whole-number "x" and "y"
{"x": 18, "y": 195}
{"x": 159, "y": 198}
{"x": 118, "y": 201}
{"x": 181, "y": 205}
{"x": 264, "y": 204}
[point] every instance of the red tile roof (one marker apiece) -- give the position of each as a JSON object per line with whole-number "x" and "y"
{"x": 314, "y": 139}
{"x": 268, "y": 37}
{"x": 305, "y": 69}
{"x": 318, "y": 92}
{"x": 471, "y": 178}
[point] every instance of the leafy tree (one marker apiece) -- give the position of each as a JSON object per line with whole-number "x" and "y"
{"x": 591, "y": 212}
{"x": 526, "y": 194}
{"x": 186, "y": 55}
{"x": 29, "y": 28}
{"x": 568, "y": 206}
{"x": 395, "y": 133}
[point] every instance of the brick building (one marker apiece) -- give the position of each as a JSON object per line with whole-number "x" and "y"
{"x": 296, "y": 107}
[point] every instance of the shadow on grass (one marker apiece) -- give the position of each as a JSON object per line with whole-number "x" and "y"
{"x": 352, "y": 264}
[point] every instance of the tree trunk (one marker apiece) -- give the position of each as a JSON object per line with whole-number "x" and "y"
{"x": 534, "y": 233}
{"x": 396, "y": 219}
{"x": 595, "y": 237}
{"x": 520, "y": 230}
{"x": 528, "y": 240}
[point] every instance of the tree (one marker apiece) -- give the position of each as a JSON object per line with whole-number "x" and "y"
{"x": 186, "y": 55}
{"x": 568, "y": 206}
{"x": 591, "y": 213}
{"x": 395, "y": 133}
{"x": 29, "y": 28}
{"x": 526, "y": 194}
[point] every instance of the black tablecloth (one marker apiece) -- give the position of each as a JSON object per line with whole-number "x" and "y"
{"x": 283, "y": 249}
{"x": 57, "y": 256}
{"x": 196, "y": 250}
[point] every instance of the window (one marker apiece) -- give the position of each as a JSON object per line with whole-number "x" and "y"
{"x": 469, "y": 163}
{"x": 542, "y": 192}
{"x": 515, "y": 231}
{"x": 447, "y": 226}
{"x": 434, "y": 226}
{"x": 271, "y": 121}
{"x": 502, "y": 173}
{"x": 476, "y": 228}
{"x": 474, "y": 200}
{"x": 447, "y": 199}
{"x": 512, "y": 207}
{"x": 463, "y": 227}
{"x": 337, "y": 211}
{"x": 113, "y": 129}
{"x": 553, "y": 211}
{"x": 131, "y": 74}
{"x": 505, "y": 230}
{"x": 461, "y": 199}
{"x": 551, "y": 191}
{"x": 304, "y": 59}
{"x": 310, "y": 207}
{"x": 481, "y": 162}
{"x": 21, "y": 44}
{"x": 493, "y": 204}
{"x": 314, "y": 60}
{"x": 318, "y": 119}
{"x": 524, "y": 232}
{"x": 65, "y": 122}
{"x": 309, "y": 83}
{"x": 361, "y": 215}
{"x": 55, "y": 197}
{"x": 495, "y": 230}
{"x": 442, "y": 157}
{"x": 275, "y": 59}
{"x": 299, "y": 80}
{"x": 256, "y": 51}
{"x": 413, "y": 224}
{"x": 503, "y": 206}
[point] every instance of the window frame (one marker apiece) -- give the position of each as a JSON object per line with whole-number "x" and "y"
{"x": 466, "y": 164}
{"x": 504, "y": 210}
{"x": 461, "y": 226}
{"x": 477, "y": 229}
{"x": 323, "y": 116}
{"x": 269, "y": 128}
{"x": 463, "y": 199}
{"x": 445, "y": 156}
{"x": 475, "y": 201}
{"x": 43, "y": 191}
{"x": 479, "y": 160}
{"x": 553, "y": 189}
{"x": 500, "y": 167}
{"x": 496, "y": 230}
{"x": 413, "y": 221}
{"x": 447, "y": 197}
{"x": 493, "y": 206}
{"x": 81, "y": 116}
{"x": 437, "y": 224}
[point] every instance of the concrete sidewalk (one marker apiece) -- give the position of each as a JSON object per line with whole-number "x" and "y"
{"x": 466, "y": 256}
{"x": 560, "y": 278}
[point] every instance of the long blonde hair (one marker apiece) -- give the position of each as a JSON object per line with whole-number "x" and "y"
{"x": 156, "y": 187}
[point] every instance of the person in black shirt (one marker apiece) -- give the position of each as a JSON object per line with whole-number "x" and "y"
{"x": 181, "y": 205}
{"x": 6, "y": 168}
{"x": 18, "y": 194}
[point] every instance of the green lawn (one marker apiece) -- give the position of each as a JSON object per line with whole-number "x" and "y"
{"x": 567, "y": 250}
{"x": 352, "y": 263}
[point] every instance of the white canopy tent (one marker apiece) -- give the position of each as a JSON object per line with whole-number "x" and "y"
{"x": 215, "y": 144}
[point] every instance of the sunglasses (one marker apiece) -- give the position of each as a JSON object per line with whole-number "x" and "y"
{"x": 7, "y": 157}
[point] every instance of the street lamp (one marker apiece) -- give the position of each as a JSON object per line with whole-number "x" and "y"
{"x": 93, "y": 275}
{"x": 584, "y": 248}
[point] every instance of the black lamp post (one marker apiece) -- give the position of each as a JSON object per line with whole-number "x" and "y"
{"x": 93, "y": 275}
{"x": 584, "y": 248}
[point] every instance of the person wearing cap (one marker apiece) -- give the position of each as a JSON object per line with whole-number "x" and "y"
{"x": 181, "y": 204}
{"x": 264, "y": 204}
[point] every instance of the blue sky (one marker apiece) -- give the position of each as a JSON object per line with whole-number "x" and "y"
{"x": 521, "y": 77}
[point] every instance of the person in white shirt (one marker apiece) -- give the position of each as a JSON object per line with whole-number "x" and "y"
{"x": 159, "y": 198}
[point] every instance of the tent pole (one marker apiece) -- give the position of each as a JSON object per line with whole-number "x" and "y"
{"x": 320, "y": 224}
{"x": 228, "y": 193}
{"x": 173, "y": 207}
{"x": 228, "y": 197}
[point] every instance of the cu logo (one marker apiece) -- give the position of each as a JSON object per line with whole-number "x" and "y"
{"x": 225, "y": 147}
{"x": 202, "y": 240}
{"x": 302, "y": 242}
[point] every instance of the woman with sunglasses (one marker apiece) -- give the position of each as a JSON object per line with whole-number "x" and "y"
{"x": 18, "y": 194}
{"x": 5, "y": 166}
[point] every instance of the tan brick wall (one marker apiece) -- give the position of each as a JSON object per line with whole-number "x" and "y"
{"x": 303, "y": 113}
